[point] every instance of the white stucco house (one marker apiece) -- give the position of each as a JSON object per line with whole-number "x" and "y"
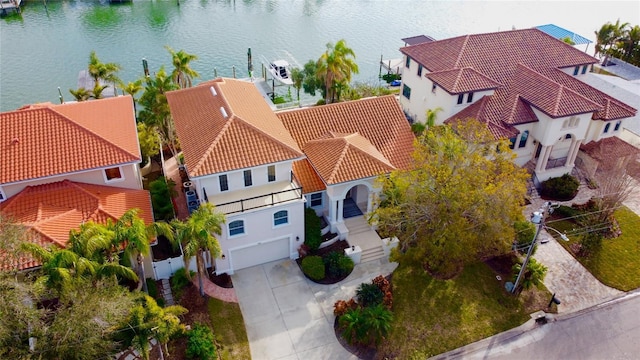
{"x": 261, "y": 168}
{"x": 524, "y": 84}
{"x": 65, "y": 164}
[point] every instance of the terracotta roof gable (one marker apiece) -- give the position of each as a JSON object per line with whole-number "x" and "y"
{"x": 457, "y": 81}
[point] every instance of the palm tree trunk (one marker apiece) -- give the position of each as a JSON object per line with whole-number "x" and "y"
{"x": 141, "y": 275}
{"x": 199, "y": 265}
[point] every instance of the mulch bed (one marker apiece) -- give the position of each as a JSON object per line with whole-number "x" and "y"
{"x": 223, "y": 280}
{"x": 361, "y": 351}
{"x": 339, "y": 246}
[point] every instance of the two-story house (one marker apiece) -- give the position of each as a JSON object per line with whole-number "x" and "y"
{"x": 262, "y": 168}
{"x": 66, "y": 164}
{"x": 524, "y": 84}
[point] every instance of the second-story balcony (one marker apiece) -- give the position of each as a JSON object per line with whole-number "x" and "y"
{"x": 256, "y": 197}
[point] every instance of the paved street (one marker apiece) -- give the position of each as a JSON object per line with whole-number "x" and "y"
{"x": 607, "y": 331}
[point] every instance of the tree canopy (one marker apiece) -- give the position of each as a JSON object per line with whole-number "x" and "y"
{"x": 458, "y": 201}
{"x": 620, "y": 40}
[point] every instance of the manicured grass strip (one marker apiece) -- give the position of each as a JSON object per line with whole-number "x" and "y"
{"x": 229, "y": 330}
{"x": 616, "y": 264}
{"x": 434, "y": 316}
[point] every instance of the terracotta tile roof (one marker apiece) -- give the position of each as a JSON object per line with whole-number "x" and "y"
{"x": 457, "y": 81}
{"x": 379, "y": 120}
{"x": 307, "y": 176}
{"x": 548, "y": 96}
{"x": 345, "y": 157}
{"x": 526, "y": 63}
{"x": 249, "y": 135}
{"x": 51, "y": 210}
{"x": 609, "y": 148}
{"x": 46, "y": 139}
{"x": 478, "y": 111}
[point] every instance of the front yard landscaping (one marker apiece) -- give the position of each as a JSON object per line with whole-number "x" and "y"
{"x": 433, "y": 316}
{"x": 616, "y": 263}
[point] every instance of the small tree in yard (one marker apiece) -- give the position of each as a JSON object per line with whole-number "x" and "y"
{"x": 457, "y": 202}
{"x": 533, "y": 275}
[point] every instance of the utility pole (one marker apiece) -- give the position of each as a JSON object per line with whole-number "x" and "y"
{"x": 538, "y": 219}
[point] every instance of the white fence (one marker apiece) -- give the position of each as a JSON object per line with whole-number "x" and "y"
{"x": 166, "y": 268}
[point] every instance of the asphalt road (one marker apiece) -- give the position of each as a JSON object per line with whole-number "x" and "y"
{"x": 607, "y": 331}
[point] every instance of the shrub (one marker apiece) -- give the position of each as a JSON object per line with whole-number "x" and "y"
{"x": 179, "y": 280}
{"x": 366, "y": 326}
{"x": 313, "y": 267}
{"x": 369, "y": 295}
{"x": 342, "y": 306}
{"x": 337, "y": 264}
{"x": 312, "y": 237}
{"x": 590, "y": 244}
{"x": 566, "y": 211}
{"x": 152, "y": 287}
{"x": 161, "y": 199}
{"x": 525, "y": 231}
{"x": 561, "y": 188}
{"x": 383, "y": 284}
{"x": 200, "y": 343}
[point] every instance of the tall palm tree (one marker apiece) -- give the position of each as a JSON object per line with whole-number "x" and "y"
{"x": 196, "y": 236}
{"x": 132, "y": 88}
{"x": 182, "y": 74}
{"x": 103, "y": 71}
{"x": 631, "y": 42}
{"x": 335, "y": 67}
{"x": 297, "y": 76}
{"x": 81, "y": 94}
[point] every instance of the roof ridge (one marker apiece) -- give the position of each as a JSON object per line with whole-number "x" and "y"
{"x": 369, "y": 155}
{"x": 340, "y": 160}
{"x": 462, "y": 49}
{"x": 269, "y": 135}
{"x": 213, "y": 144}
{"x": 559, "y": 96}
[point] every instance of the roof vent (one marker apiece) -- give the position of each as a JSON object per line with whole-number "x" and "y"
{"x": 213, "y": 91}
{"x": 15, "y": 141}
{"x": 223, "y": 112}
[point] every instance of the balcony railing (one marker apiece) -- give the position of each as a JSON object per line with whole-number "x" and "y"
{"x": 260, "y": 201}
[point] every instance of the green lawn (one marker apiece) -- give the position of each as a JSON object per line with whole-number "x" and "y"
{"x": 434, "y": 316}
{"x": 228, "y": 327}
{"x": 616, "y": 264}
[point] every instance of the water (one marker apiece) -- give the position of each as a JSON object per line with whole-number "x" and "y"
{"x": 45, "y": 47}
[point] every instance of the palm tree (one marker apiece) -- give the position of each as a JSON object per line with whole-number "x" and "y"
{"x": 533, "y": 275}
{"x": 132, "y": 88}
{"x": 631, "y": 42}
{"x": 182, "y": 74}
{"x": 335, "y": 67}
{"x": 81, "y": 94}
{"x": 103, "y": 71}
{"x": 196, "y": 236}
{"x": 297, "y": 76}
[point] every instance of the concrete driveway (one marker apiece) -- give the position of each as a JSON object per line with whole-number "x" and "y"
{"x": 288, "y": 316}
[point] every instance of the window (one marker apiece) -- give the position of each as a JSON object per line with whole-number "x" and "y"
{"x": 316, "y": 199}
{"x": 584, "y": 69}
{"x": 408, "y": 62}
{"x": 576, "y": 70}
{"x": 512, "y": 143}
{"x": 113, "y": 174}
{"x": 567, "y": 137}
{"x": 606, "y": 128}
{"x": 3, "y": 197}
{"x": 460, "y": 98}
{"x": 419, "y": 70}
{"x": 224, "y": 182}
{"x": 236, "y": 227}
{"x": 271, "y": 173}
{"x": 281, "y": 218}
{"x": 617, "y": 127}
{"x": 247, "y": 178}
{"x": 571, "y": 122}
{"x": 433, "y": 88}
{"x": 470, "y": 97}
{"x": 406, "y": 91}
{"x": 523, "y": 139}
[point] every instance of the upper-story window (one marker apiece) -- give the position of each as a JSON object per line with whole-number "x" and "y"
{"x": 247, "y": 178}
{"x": 281, "y": 218}
{"x": 571, "y": 122}
{"x": 224, "y": 182}
{"x": 406, "y": 91}
{"x": 236, "y": 227}
{"x": 617, "y": 127}
{"x": 523, "y": 139}
{"x": 512, "y": 143}
{"x": 584, "y": 69}
{"x": 460, "y": 98}
{"x": 407, "y": 62}
{"x": 316, "y": 199}
{"x": 576, "y": 70}
{"x": 113, "y": 174}
{"x": 433, "y": 88}
{"x": 271, "y": 173}
{"x": 470, "y": 97}
{"x": 419, "y": 70}
{"x": 606, "y": 128}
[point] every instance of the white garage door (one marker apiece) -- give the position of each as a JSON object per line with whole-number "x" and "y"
{"x": 260, "y": 253}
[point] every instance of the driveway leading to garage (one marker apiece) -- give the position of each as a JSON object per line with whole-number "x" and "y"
{"x": 289, "y": 317}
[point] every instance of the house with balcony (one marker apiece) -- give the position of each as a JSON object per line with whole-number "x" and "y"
{"x": 261, "y": 168}
{"x": 525, "y": 85}
{"x": 66, "y": 164}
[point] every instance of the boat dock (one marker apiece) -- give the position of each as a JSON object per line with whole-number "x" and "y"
{"x": 10, "y": 5}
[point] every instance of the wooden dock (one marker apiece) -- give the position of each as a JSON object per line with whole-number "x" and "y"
{"x": 10, "y": 5}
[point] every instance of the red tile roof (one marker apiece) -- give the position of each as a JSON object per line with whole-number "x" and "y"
{"x": 458, "y": 81}
{"x": 527, "y": 63}
{"x": 609, "y": 148}
{"x": 307, "y": 176}
{"x": 46, "y": 139}
{"x": 249, "y": 135}
{"x": 379, "y": 121}
{"x": 51, "y": 210}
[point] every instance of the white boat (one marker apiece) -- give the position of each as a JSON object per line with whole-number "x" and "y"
{"x": 280, "y": 70}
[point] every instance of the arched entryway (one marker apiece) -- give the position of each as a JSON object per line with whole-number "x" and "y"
{"x": 355, "y": 202}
